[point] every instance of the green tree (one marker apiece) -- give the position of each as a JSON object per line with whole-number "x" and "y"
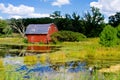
{"x": 8, "y": 30}
{"x": 108, "y": 36}
{"x": 114, "y": 20}
{"x": 69, "y": 22}
{"x": 93, "y": 22}
{"x": 76, "y": 23}
{"x": 63, "y": 23}
{"x": 44, "y": 20}
{"x": 56, "y": 14}
{"x": 3, "y": 25}
{"x": 18, "y": 26}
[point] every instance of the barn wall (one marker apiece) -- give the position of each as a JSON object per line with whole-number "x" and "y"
{"x": 52, "y": 29}
{"x": 37, "y": 38}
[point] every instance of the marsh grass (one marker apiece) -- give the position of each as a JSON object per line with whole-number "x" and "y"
{"x": 1, "y": 64}
{"x": 61, "y": 76}
{"x": 89, "y": 51}
{"x": 11, "y": 41}
{"x": 30, "y": 60}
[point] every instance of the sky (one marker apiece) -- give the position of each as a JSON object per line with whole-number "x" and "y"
{"x": 43, "y": 8}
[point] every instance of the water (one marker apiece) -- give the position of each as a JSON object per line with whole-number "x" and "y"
{"x": 52, "y": 72}
{"x": 72, "y": 70}
{"x": 23, "y": 61}
{"x": 16, "y": 50}
{"x": 16, "y": 58}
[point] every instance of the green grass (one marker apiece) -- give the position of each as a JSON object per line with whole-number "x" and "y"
{"x": 11, "y": 41}
{"x": 8, "y": 75}
{"x": 89, "y": 50}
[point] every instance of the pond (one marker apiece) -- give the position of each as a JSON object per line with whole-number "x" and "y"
{"x": 20, "y": 69}
{"x": 15, "y": 50}
{"x": 29, "y": 62}
{"x": 35, "y": 63}
{"x": 47, "y": 71}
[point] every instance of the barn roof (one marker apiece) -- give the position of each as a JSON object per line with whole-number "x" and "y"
{"x": 37, "y": 29}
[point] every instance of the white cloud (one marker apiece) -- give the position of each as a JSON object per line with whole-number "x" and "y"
{"x": 107, "y": 7}
{"x": 1, "y": 17}
{"x": 59, "y": 3}
{"x": 21, "y": 11}
{"x": 2, "y": 6}
{"x": 15, "y": 16}
{"x": 34, "y": 15}
{"x": 38, "y": 15}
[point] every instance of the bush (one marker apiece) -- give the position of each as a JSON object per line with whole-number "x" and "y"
{"x": 118, "y": 34}
{"x": 108, "y": 36}
{"x": 25, "y": 40}
{"x": 118, "y": 31}
{"x": 67, "y": 36}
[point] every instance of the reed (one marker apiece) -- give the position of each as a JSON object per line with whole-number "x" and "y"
{"x": 30, "y": 60}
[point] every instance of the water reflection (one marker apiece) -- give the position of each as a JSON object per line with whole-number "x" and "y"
{"x": 17, "y": 50}
{"x": 63, "y": 70}
{"x": 51, "y": 71}
{"x": 39, "y": 48}
{"x": 31, "y": 67}
{"x": 12, "y": 50}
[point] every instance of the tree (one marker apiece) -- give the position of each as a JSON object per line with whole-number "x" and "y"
{"x": 93, "y": 22}
{"x": 8, "y": 30}
{"x": 44, "y": 20}
{"x": 76, "y": 23}
{"x": 63, "y": 23}
{"x": 69, "y": 22}
{"x": 3, "y": 25}
{"x": 56, "y": 14}
{"x": 108, "y": 36}
{"x": 114, "y": 20}
{"x": 18, "y": 25}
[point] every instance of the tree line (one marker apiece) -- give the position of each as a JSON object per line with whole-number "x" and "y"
{"x": 90, "y": 24}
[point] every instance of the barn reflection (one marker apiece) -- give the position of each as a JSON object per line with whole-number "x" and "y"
{"x": 13, "y": 50}
{"x": 41, "y": 49}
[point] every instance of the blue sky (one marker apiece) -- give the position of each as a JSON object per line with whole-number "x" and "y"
{"x": 43, "y": 8}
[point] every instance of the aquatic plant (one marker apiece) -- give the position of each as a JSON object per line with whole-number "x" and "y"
{"x": 1, "y": 65}
{"x": 30, "y": 60}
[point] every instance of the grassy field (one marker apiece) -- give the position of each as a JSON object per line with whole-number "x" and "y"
{"x": 90, "y": 51}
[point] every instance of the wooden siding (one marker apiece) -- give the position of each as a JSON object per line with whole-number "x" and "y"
{"x": 52, "y": 29}
{"x": 34, "y": 38}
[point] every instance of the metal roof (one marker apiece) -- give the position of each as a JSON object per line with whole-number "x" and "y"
{"x": 37, "y": 29}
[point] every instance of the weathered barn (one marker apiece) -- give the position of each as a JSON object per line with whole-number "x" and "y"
{"x": 40, "y": 32}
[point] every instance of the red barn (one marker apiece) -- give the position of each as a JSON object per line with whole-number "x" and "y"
{"x": 40, "y": 32}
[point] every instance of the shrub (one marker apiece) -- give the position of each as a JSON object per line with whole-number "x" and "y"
{"x": 118, "y": 31}
{"x": 25, "y": 40}
{"x": 118, "y": 34}
{"x": 67, "y": 36}
{"x": 108, "y": 36}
